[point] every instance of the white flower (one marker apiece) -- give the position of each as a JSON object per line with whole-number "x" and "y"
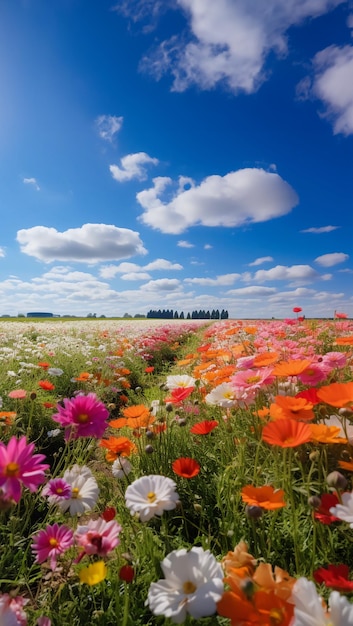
{"x": 55, "y": 371}
{"x": 151, "y": 495}
{"x": 180, "y": 380}
{"x": 309, "y": 609}
{"x": 84, "y": 490}
{"x": 193, "y": 584}
{"x": 121, "y": 467}
{"x": 344, "y": 511}
{"x": 223, "y": 395}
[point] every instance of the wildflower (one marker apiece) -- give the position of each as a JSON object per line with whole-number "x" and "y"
{"x": 126, "y": 573}
{"x": 55, "y": 371}
{"x": 82, "y": 416}
{"x": 17, "y": 394}
{"x": 334, "y": 576}
{"x": 186, "y": 467}
{"x": 292, "y": 408}
{"x": 192, "y": 585}
{"x": 93, "y": 574}
{"x": 121, "y": 467}
{"x": 265, "y": 497}
{"x": 290, "y": 368}
{"x": 204, "y": 428}
{"x": 327, "y": 434}
{"x": 50, "y": 542}
{"x": 117, "y": 447}
{"x": 344, "y": 511}
{"x": 109, "y": 513}
{"x": 309, "y": 609}
{"x": 286, "y": 433}
{"x": 56, "y": 490}
{"x": 11, "y": 610}
{"x": 135, "y": 416}
{"x": 179, "y": 394}
{"x": 98, "y": 536}
{"x": 179, "y": 380}
{"x": 223, "y": 395}
{"x": 43, "y": 621}
{"x": 151, "y": 495}
{"x": 327, "y": 502}
{"x": 314, "y": 374}
{"x": 84, "y": 491}
{"x": 46, "y": 385}
{"x": 19, "y": 466}
{"x": 339, "y": 395}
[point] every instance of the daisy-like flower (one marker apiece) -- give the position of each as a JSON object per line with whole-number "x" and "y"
{"x": 310, "y": 611}
{"x": 56, "y": 490}
{"x": 98, "y": 536}
{"x": 193, "y": 584}
{"x": 82, "y": 416}
{"x": 265, "y": 497}
{"x": 180, "y": 380}
{"x": 223, "y": 395}
{"x": 84, "y": 491}
{"x": 121, "y": 467}
{"x": 93, "y": 574}
{"x": 151, "y": 495}
{"x": 50, "y": 542}
{"x": 19, "y": 466}
{"x": 344, "y": 511}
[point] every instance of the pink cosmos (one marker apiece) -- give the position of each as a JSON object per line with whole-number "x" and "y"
{"x": 252, "y": 379}
{"x": 19, "y": 466}
{"x": 50, "y": 542}
{"x": 11, "y": 610}
{"x": 98, "y": 537}
{"x": 56, "y": 490}
{"x": 18, "y": 394}
{"x": 335, "y": 360}
{"x": 82, "y": 416}
{"x": 314, "y": 374}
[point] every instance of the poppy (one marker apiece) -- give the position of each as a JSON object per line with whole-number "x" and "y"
{"x": 135, "y": 411}
{"x": 46, "y": 385}
{"x": 117, "y": 446}
{"x": 322, "y": 514}
{"x": 44, "y": 365}
{"x": 265, "y": 497}
{"x": 335, "y": 577}
{"x": 297, "y": 309}
{"x": 339, "y": 395}
{"x": 186, "y": 467}
{"x": 292, "y": 408}
{"x": 291, "y": 368}
{"x": 326, "y": 434}
{"x": 204, "y": 428}
{"x": 286, "y": 433}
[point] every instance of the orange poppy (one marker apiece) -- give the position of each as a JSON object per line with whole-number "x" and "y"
{"x": 186, "y": 467}
{"x": 203, "y": 428}
{"x": 344, "y": 341}
{"x": 264, "y": 608}
{"x": 291, "y": 368}
{"x": 286, "y": 433}
{"x": 265, "y": 358}
{"x": 265, "y": 497}
{"x": 339, "y": 395}
{"x": 46, "y": 385}
{"x": 292, "y": 408}
{"x": 83, "y": 377}
{"x": 326, "y": 434}
{"x": 117, "y": 446}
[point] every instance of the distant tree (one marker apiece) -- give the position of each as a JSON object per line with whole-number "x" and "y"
{"x": 188, "y": 317}
{"x": 176, "y": 316}
{"x": 127, "y": 315}
{"x": 181, "y": 316}
{"x": 21, "y": 315}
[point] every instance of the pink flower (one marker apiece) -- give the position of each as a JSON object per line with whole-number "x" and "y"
{"x": 51, "y": 542}
{"x": 11, "y": 610}
{"x": 19, "y": 466}
{"x": 43, "y": 621}
{"x": 98, "y": 537}
{"x": 18, "y": 394}
{"x": 314, "y": 374}
{"x": 82, "y": 416}
{"x": 56, "y": 490}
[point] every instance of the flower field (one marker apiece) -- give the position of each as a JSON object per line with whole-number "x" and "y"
{"x": 177, "y": 472}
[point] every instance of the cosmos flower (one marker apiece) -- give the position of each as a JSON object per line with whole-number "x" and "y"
{"x": 121, "y": 467}
{"x": 82, "y": 416}
{"x": 84, "y": 491}
{"x": 265, "y": 497}
{"x": 11, "y": 610}
{"x": 223, "y": 395}
{"x": 179, "y": 380}
{"x": 344, "y": 511}
{"x": 334, "y": 576}
{"x": 19, "y": 466}
{"x": 56, "y": 490}
{"x": 309, "y": 609}
{"x": 192, "y": 584}
{"x": 286, "y": 433}
{"x": 151, "y": 495}
{"x": 98, "y": 536}
{"x": 50, "y": 542}
{"x": 204, "y": 428}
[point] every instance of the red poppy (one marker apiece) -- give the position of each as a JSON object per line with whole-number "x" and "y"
{"x": 310, "y": 395}
{"x": 179, "y": 394}
{"x": 126, "y": 573}
{"x": 323, "y": 515}
{"x": 186, "y": 467}
{"x": 297, "y": 309}
{"x": 46, "y": 385}
{"x": 335, "y": 576}
{"x": 203, "y": 428}
{"x": 149, "y": 370}
{"x": 44, "y": 365}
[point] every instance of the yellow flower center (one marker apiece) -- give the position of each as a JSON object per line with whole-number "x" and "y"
{"x": 75, "y": 493}
{"x": 12, "y": 469}
{"x": 189, "y": 587}
{"x": 53, "y": 542}
{"x": 82, "y": 418}
{"x": 59, "y": 490}
{"x": 276, "y": 617}
{"x": 252, "y": 379}
{"x": 151, "y": 496}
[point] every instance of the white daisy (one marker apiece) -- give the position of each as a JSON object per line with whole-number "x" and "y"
{"x": 193, "y": 584}
{"x": 151, "y": 495}
{"x": 309, "y": 609}
{"x": 180, "y": 380}
{"x": 84, "y": 491}
{"x": 223, "y": 395}
{"x": 121, "y": 467}
{"x": 344, "y": 511}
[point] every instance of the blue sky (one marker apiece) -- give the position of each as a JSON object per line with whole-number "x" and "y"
{"x": 180, "y": 154}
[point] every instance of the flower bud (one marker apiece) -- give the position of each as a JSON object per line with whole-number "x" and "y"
{"x": 150, "y": 434}
{"x": 149, "y": 449}
{"x": 169, "y": 407}
{"x": 253, "y": 512}
{"x": 314, "y": 502}
{"x": 336, "y": 480}
{"x": 127, "y": 573}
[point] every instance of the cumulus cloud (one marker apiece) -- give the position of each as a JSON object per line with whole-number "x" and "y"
{"x": 31, "y": 181}
{"x": 332, "y": 84}
{"x": 91, "y": 243}
{"x": 241, "y": 197}
{"x": 132, "y": 166}
{"x": 185, "y": 244}
{"x": 108, "y": 126}
{"x": 255, "y": 290}
{"x": 162, "y": 264}
{"x": 227, "y": 41}
{"x": 162, "y": 284}
{"x": 261, "y": 260}
{"x": 109, "y": 271}
{"x": 321, "y": 229}
{"x": 329, "y": 260}
{"x": 282, "y": 272}
{"x": 224, "y": 279}
{"x": 135, "y": 276}
{"x": 2, "y": 253}
{"x": 207, "y": 246}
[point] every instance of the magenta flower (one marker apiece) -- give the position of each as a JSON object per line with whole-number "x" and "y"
{"x": 56, "y": 490}
{"x": 19, "y": 466}
{"x": 51, "y": 542}
{"x": 82, "y": 416}
{"x": 98, "y": 537}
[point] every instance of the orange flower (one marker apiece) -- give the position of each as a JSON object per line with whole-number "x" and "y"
{"x": 46, "y": 385}
{"x": 117, "y": 446}
{"x": 83, "y": 377}
{"x": 239, "y": 562}
{"x": 339, "y": 395}
{"x": 186, "y": 467}
{"x": 348, "y": 465}
{"x": 265, "y": 358}
{"x": 135, "y": 411}
{"x": 265, "y": 497}
{"x": 264, "y": 608}
{"x": 286, "y": 433}
{"x": 262, "y": 413}
{"x": 7, "y": 417}
{"x": 291, "y": 368}
{"x": 326, "y": 434}
{"x": 344, "y": 341}
{"x": 278, "y": 580}
{"x": 292, "y": 408}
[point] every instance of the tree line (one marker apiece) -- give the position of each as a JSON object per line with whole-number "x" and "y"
{"x": 194, "y": 315}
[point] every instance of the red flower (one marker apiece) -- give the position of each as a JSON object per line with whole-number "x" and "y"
{"x": 297, "y": 309}
{"x": 48, "y": 405}
{"x": 46, "y": 385}
{"x": 328, "y": 500}
{"x": 186, "y": 467}
{"x": 44, "y": 365}
{"x": 108, "y": 514}
{"x": 310, "y": 395}
{"x": 149, "y": 370}
{"x": 179, "y": 394}
{"x": 127, "y": 573}
{"x": 335, "y": 576}
{"x": 203, "y": 428}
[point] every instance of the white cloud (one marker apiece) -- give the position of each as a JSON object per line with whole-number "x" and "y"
{"x": 229, "y": 41}
{"x": 132, "y": 167}
{"x": 109, "y": 271}
{"x": 185, "y": 244}
{"x": 162, "y": 284}
{"x": 329, "y": 260}
{"x": 136, "y": 276}
{"x": 31, "y": 181}
{"x": 261, "y": 260}
{"x": 207, "y": 246}
{"x": 91, "y": 243}
{"x": 281, "y": 272}
{"x": 321, "y": 229}
{"x": 238, "y": 198}
{"x": 162, "y": 264}
{"x": 2, "y": 253}
{"x": 332, "y": 84}
{"x": 252, "y": 291}
{"x": 108, "y": 126}
{"x": 225, "y": 279}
